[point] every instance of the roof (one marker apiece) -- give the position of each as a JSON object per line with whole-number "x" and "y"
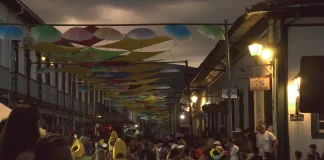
{"x": 28, "y": 16}
{"x": 246, "y": 28}
{"x": 215, "y": 61}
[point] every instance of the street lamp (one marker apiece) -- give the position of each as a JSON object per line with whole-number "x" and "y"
{"x": 43, "y": 58}
{"x": 182, "y": 116}
{"x": 257, "y": 49}
{"x": 194, "y": 99}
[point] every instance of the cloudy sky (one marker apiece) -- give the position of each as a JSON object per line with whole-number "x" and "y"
{"x": 147, "y": 11}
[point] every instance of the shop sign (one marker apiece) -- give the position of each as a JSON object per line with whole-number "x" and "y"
{"x": 296, "y": 117}
{"x": 233, "y": 93}
{"x": 260, "y": 83}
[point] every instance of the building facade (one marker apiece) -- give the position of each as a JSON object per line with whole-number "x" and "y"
{"x": 291, "y": 32}
{"x": 55, "y": 94}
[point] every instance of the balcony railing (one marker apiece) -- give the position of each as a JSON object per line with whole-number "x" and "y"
{"x": 49, "y": 94}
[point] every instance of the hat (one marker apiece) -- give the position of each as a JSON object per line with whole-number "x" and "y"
{"x": 174, "y": 146}
{"x": 181, "y": 146}
{"x": 237, "y": 130}
{"x": 217, "y": 143}
{"x": 104, "y": 145}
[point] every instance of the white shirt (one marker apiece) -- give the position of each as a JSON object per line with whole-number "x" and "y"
{"x": 233, "y": 152}
{"x": 264, "y": 142}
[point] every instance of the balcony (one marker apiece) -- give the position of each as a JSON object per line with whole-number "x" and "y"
{"x": 49, "y": 94}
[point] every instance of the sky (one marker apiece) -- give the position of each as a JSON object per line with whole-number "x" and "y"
{"x": 194, "y": 50}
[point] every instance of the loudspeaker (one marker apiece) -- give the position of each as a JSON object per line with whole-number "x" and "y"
{"x": 312, "y": 84}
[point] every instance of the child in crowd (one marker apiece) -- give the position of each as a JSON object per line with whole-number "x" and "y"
{"x": 298, "y": 155}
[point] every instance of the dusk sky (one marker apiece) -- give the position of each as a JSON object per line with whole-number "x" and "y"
{"x": 147, "y": 11}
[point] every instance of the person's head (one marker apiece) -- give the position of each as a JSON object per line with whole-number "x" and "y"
{"x": 231, "y": 141}
{"x": 146, "y": 144}
{"x": 298, "y": 155}
{"x": 53, "y": 147}
{"x": 100, "y": 154}
{"x": 20, "y": 132}
{"x": 261, "y": 128}
{"x": 312, "y": 147}
{"x": 218, "y": 145}
{"x": 2, "y": 124}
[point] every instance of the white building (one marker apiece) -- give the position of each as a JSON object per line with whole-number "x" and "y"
{"x": 54, "y": 94}
{"x": 291, "y": 31}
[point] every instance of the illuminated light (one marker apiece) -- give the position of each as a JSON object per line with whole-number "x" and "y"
{"x": 266, "y": 54}
{"x": 207, "y": 103}
{"x": 52, "y": 64}
{"x": 297, "y": 83}
{"x": 98, "y": 116}
{"x": 194, "y": 99}
{"x": 43, "y": 58}
{"x": 255, "y": 49}
{"x": 182, "y": 116}
{"x": 110, "y": 127}
{"x": 136, "y": 125}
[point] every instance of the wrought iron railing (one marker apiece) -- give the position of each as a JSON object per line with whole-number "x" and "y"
{"x": 52, "y": 95}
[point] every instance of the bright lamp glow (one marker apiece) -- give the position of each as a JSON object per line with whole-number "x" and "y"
{"x": 207, "y": 102}
{"x": 297, "y": 83}
{"x": 136, "y": 125}
{"x": 255, "y": 49}
{"x": 182, "y": 116}
{"x": 43, "y": 58}
{"x": 266, "y": 54}
{"x": 194, "y": 99}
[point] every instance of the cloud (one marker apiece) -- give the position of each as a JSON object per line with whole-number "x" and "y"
{"x": 146, "y": 11}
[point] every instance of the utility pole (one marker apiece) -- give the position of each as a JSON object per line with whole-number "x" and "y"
{"x": 189, "y": 97}
{"x": 228, "y": 73}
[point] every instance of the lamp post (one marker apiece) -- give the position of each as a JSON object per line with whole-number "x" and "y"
{"x": 193, "y": 100}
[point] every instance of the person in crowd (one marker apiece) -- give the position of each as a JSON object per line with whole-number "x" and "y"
{"x": 248, "y": 148}
{"x": 2, "y": 124}
{"x": 146, "y": 152}
{"x": 174, "y": 154}
{"x": 163, "y": 152}
{"x": 206, "y": 154}
{"x": 199, "y": 151}
{"x": 53, "y": 147}
{"x": 313, "y": 154}
{"x": 233, "y": 149}
{"x": 187, "y": 154}
{"x": 20, "y": 133}
{"x": 266, "y": 141}
{"x": 100, "y": 154}
{"x": 298, "y": 155}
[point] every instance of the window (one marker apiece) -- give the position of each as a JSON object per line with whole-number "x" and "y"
{"x": 317, "y": 125}
{"x": 320, "y": 123}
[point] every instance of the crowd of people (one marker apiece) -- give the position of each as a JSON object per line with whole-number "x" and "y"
{"x": 20, "y": 139}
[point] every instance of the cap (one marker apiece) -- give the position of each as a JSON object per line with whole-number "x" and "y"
{"x": 217, "y": 143}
